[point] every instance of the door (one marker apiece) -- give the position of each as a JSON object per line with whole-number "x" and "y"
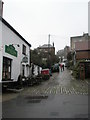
{"x": 23, "y": 70}
{"x": 6, "y": 75}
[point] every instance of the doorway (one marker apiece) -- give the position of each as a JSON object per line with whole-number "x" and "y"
{"x": 6, "y": 74}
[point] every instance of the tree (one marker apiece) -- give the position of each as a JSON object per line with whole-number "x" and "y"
{"x": 38, "y": 58}
{"x": 69, "y": 56}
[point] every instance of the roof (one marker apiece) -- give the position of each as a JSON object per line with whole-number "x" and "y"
{"x": 85, "y": 34}
{"x": 46, "y": 46}
{"x": 9, "y": 26}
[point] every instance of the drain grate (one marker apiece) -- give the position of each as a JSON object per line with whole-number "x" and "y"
{"x": 36, "y": 97}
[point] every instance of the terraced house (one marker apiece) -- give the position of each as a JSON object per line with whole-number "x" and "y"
{"x": 14, "y": 54}
{"x": 80, "y": 46}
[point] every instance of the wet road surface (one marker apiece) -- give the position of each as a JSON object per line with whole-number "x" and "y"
{"x": 60, "y": 97}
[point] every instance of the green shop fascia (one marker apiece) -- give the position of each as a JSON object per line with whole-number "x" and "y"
{"x": 11, "y": 50}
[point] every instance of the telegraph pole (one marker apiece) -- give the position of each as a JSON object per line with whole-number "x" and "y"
{"x": 48, "y": 39}
{"x": 48, "y": 49}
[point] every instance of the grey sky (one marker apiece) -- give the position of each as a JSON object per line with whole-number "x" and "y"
{"x": 35, "y": 19}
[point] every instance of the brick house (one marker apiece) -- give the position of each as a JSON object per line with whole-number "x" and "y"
{"x": 80, "y": 47}
{"x": 47, "y": 48}
{"x": 48, "y": 53}
{"x": 73, "y": 40}
{"x": 82, "y": 50}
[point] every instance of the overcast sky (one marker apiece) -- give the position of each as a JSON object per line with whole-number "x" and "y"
{"x": 35, "y": 19}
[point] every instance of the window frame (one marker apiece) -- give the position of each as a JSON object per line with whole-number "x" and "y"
{"x": 7, "y": 64}
{"x": 23, "y": 49}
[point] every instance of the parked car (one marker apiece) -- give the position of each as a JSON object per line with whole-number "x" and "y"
{"x": 67, "y": 64}
{"x": 45, "y": 74}
{"x": 55, "y": 68}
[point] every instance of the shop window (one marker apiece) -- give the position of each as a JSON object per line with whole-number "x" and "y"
{"x": 24, "y": 49}
{"x": 6, "y": 74}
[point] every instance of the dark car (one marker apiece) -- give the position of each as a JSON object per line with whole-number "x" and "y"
{"x": 55, "y": 68}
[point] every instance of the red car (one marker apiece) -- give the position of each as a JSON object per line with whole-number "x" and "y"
{"x": 45, "y": 74}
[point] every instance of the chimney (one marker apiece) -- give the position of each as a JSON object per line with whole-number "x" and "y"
{"x": 1, "y": 8}
{"x": 53, "y": 44}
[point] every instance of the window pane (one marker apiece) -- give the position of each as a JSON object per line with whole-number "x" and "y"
{"x": 24, "y": 50}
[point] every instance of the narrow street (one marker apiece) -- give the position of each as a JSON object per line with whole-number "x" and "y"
{"x": 40, "y": 40}
{"x": 61, "y": 96}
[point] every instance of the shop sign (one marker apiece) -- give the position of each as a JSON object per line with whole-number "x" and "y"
{"x": 25, "y": 59}
{"x": 11, "y": 50}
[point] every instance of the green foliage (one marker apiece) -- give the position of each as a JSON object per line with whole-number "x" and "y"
{"x": 69, "y": 56}
{"x": 55, "y": 59}
{"x": 37, "y": 58}
{"x": 76, "y": 69}
{"x": 70, "y": 65}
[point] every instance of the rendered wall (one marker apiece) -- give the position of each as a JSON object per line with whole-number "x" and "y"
{"x": 0, "y": 51}
{"x": 9, "y": 37}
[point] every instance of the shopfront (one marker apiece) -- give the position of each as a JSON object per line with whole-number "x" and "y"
{"x": 14, "y": 55}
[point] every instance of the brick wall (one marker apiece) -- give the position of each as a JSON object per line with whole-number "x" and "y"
{"x": 82, "y": 55}
{"x": 83, "y": 45}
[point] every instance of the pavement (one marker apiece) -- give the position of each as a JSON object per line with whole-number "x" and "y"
{"x": 60, "y": 97}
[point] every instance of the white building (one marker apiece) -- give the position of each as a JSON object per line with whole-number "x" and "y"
{"x": 14, "y": 53}
{"x": 1, "y": 8}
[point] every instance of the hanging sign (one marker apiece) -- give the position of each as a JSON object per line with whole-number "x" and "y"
{"x": 25, "y": 59}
